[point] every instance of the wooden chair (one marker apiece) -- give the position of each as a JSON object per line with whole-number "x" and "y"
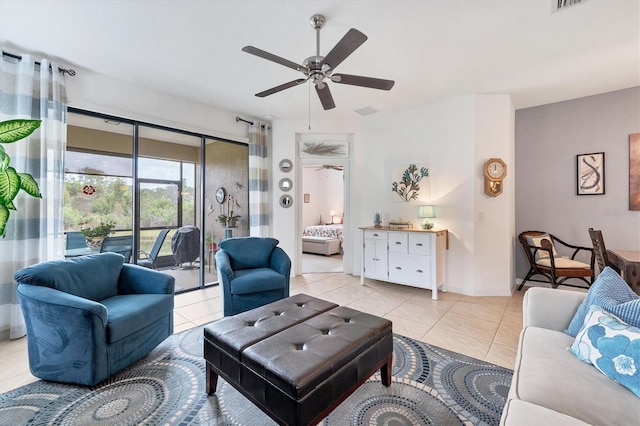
{"x": 600, "y": 251}
{"x": 540, "y": 249}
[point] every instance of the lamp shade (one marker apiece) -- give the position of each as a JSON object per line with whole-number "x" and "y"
{"x": 427, "y": 211}
{"x": 332, "y": 213}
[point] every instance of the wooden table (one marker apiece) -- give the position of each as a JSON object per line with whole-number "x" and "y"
{"x": 628, "y": 261}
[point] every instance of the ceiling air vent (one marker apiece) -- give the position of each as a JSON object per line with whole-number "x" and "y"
{"x": 366, "y": 111}
{"x": 564, "y": 4}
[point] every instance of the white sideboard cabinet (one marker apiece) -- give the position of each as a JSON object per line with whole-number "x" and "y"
{"x": 413, "y": 257}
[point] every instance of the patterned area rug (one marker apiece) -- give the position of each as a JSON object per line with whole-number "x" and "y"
{"x": 430, "y": 386}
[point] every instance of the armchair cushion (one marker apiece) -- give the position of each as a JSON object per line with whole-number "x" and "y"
{"x": 614, "y": 295}
{"x": 257, "y": 280}
{"x": 537, "y": 241}
{"x": 249, "y": 252}
{"x": 81, "y": 276}
{"x": 561, "y": 262}
{"x": 132, "y": 312}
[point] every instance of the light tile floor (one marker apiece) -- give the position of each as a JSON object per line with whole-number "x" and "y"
{"x": 486, "y": 328}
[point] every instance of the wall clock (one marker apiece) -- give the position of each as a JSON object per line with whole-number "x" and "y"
{"x": 495, "y": 171}
{"x": 221, "y": 194}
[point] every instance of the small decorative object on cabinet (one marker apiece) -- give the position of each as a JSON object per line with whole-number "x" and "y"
{"x": 495, "y": 171}
{"x": 411, "y": 257}
{"x": 377, "y": 219}
{"x": 426, "y": 212}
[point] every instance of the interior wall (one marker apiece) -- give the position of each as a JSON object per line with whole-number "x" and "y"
{"x": 548, "y": 138}
{"x": 326, "y": 191}
{"x": 452, "y": 139}
{"x": 93, "y": 91}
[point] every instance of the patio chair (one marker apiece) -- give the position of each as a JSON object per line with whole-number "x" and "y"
{"x": 76, "y": 240}
{"x": 540, "y": 249}
{"x": 122, "y": 244}
{"x": 150, "y": 260}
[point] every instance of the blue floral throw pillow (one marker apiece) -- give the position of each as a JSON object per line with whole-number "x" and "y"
{"x": 612, "y": 346}
{"x": 614, "y": 295}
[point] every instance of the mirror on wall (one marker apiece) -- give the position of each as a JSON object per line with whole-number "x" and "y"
{"x": 285, "y": 184}
{"x": 286, "y": 201}
{"x": 285, "y": 166}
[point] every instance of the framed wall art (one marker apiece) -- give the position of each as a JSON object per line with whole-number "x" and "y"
{"x": 324, "y": 148}
{"x": 634, "y": 171}
{"x": 590, "y": 174}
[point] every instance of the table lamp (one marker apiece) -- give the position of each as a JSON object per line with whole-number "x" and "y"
{"x": 332, "y": 213}
{"x": 426, "y": 212}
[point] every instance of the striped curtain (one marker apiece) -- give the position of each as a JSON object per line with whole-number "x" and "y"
{"x": 34, "y": 231}
{"x": 258, "y": 180}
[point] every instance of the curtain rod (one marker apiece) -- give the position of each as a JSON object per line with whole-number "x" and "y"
{"x": 250, "y": 122}
{"x": 19, "y": 58}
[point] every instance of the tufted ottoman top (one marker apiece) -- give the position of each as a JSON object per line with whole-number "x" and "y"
{"x": 236, "y": 333}
{"x": 297, "y": 359}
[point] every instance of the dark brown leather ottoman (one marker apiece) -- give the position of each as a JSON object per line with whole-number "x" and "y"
{"x": 298, "y": 358}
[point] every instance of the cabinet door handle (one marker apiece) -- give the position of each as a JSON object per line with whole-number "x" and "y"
{"x": 398, "y": 243}
{"x": 419, "y": 271}
{"x": 375, "y": 235}
{"x": 398, "y": 268}
{"x": 419, "y": 244}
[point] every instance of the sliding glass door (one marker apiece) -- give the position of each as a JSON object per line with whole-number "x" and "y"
{"x": 157, "y": 186}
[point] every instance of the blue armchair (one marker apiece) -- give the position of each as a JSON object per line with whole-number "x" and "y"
{"x": 89, "y": 317}
{"x": 252, "y": 272}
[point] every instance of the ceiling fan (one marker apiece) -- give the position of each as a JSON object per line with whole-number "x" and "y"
{"x": 330, "y": 167}
{"x": 319, "y": 69}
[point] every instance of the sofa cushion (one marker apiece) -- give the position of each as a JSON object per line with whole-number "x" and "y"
{"x": 257, "y": 280}
{"x": 547, "y": 374}
{"x": 93, "y": 277}
{"x": 518, "y": 412}
{"x": 614, "y": 295}
{"x": 612, "y": 346}
{"x": 129, "y": 313}
{"x": 256, "y": 254}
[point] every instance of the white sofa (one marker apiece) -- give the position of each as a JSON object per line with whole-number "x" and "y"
{"x": 550, "y": 385}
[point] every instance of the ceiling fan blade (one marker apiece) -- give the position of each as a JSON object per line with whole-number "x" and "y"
{"x": 325, "y": 96}
{"x": 271, "y": 57}
{"x": 358, "y": 80}
{"x": 345, "y": 47}
{"x": 281, "y": 87}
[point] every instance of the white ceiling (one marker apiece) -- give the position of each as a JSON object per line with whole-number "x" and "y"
{"x": 434, "y": 50}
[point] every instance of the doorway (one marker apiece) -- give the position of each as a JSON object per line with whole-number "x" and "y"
{"x": 322, "y": 217}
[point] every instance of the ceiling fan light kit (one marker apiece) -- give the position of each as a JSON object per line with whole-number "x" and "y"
{"x": 319, "y": 69}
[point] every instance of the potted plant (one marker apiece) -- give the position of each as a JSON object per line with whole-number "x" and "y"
{"x": 211, "y": 242}
{"x": 98, "y": 233}
{"x": 229, "y": 218}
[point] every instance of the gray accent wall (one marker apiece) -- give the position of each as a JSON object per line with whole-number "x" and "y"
{"x": 547, "y": 140}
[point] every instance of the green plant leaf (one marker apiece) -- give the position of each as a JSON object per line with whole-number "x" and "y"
{"x": 29, "y": 185}
{"x": 4, "y": 218}
{"x": 11, "y": 206}
{"x": 9, "y": 185}
{"x": 4, "y": 159}
{"x": 14, "y": 130}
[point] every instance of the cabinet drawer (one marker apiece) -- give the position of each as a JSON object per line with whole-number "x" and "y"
{"x": 420, "y": 244}
{"x": 375, "y": 235}
{"x": 398, "y": 242}
{"x": 410, "y": 269}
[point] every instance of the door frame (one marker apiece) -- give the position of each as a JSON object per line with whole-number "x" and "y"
{"x": 345, "y": 162}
